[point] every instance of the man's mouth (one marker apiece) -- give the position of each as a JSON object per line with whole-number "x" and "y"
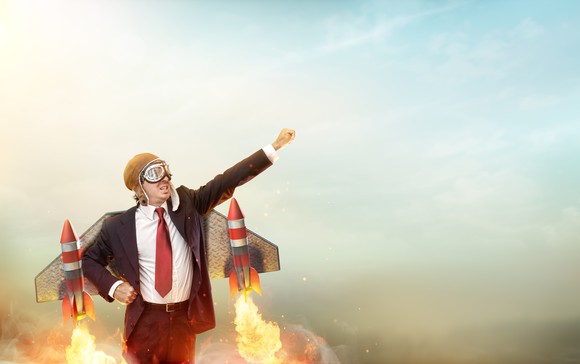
{"x": 164, "y": 188}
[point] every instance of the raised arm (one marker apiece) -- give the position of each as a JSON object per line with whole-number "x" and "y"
{"x": 222, "y": 186}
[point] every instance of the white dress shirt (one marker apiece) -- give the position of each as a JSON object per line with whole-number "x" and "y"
{"x": 146, "y": 220}
{"x": 146, "y": 226}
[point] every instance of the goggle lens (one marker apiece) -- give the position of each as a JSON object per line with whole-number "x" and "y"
{"x": 156, "y": 172}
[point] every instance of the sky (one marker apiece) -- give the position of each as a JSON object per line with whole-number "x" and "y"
{"x": 427, "y": 212}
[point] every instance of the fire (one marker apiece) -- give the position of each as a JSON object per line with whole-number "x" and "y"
{"x": 82, "y": 349}
{"x": 258, "y": 341}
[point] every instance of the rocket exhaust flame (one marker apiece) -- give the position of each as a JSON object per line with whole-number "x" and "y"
{"x": 258, "y": 341}
{"x": 82, "y": 349}
{"x": 261, "y": 342}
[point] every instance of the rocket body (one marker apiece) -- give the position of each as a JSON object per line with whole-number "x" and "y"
{"x": 243, "y": 278}
{"x": 77, "y": 303}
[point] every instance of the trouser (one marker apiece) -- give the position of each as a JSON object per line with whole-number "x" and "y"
{"x": 161, "y": 338}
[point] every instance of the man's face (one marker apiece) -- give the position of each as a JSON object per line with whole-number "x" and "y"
{"x": 157, "y": 192}
{"x": 155, "y": 179}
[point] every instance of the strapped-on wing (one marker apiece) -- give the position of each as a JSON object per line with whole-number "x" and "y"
{"x": 51, "y": 286}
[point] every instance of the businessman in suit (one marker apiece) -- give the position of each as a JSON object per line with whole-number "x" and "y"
{"x": 159, "y": 251}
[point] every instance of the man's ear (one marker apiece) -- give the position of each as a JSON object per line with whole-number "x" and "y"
{"x": 140, "y": 195}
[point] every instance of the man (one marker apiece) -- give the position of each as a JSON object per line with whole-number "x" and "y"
{"x": 159, "y": 252}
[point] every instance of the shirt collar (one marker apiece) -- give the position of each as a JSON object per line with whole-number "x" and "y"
{"x": 174, "y": 197}
{"x": 149, "y": 210}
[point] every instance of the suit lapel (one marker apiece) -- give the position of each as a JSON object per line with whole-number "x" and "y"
{"x": 180, "y": 220}
{"x": 177, "y": 218}
{"x": 128, "y": 237}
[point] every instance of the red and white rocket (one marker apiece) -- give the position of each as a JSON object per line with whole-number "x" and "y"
{"x": 243, "y": 278}
{"x": 76, "y": 303}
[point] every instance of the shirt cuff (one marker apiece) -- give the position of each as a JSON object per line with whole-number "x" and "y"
{"x": 271, "y": 153}
{"x": 114, "y": 287}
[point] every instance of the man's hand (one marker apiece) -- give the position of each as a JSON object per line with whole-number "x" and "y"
{"x": 125, "y": 293}
{"x": 286, "y": 137}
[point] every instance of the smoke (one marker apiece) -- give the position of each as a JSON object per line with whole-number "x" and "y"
{"x": 300, "y": 345}
{"x": 27, "y": 339}
{"x": 218, "y": 353}
{"x": 21, "y": 340}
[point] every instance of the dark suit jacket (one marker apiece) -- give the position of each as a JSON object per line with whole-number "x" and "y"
{"x": 118, "y": 240}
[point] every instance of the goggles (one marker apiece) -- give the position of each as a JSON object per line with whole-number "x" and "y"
{"x": 156, "y": 172}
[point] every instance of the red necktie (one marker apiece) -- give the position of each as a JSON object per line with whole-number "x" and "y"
{"x": 163, "y": 260}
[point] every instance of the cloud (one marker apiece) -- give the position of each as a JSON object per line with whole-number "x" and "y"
{"x": 346, "y": 32}
{"x": 537, "y": 102}
{"x": 341, "y": 34}
{"x": 564, "y": 230}
{"x": 129, "y": 49}
{"x": 529, "y": 29}
{"x": 469, "y": 145}
{"x": 544, "y": 139}
{"x": 464, "y": 59}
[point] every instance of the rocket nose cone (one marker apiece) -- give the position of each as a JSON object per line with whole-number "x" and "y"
{"x": 68, "y": 233}
{"x": 235, "y": 213}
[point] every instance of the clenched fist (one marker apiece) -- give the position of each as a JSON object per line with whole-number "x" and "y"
{"x": 125, "y": 293}
{"x": 286, "y": 137}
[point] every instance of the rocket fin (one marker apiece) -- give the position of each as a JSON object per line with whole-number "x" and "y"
{"x": 74, "y": 311}
{"x": 66, "y": 309}
{"x": 255, "y": 281}
{"x": 89, "y": 305}
{"x": 233, "y": 283}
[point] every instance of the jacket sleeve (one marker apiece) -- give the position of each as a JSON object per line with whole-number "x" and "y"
{"x": 95, "y": 260}
{"x": 222, "y": 186}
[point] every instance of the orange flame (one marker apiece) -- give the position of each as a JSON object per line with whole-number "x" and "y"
{"x": 258, "y": 341}
{"x": 82, "y": 349}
